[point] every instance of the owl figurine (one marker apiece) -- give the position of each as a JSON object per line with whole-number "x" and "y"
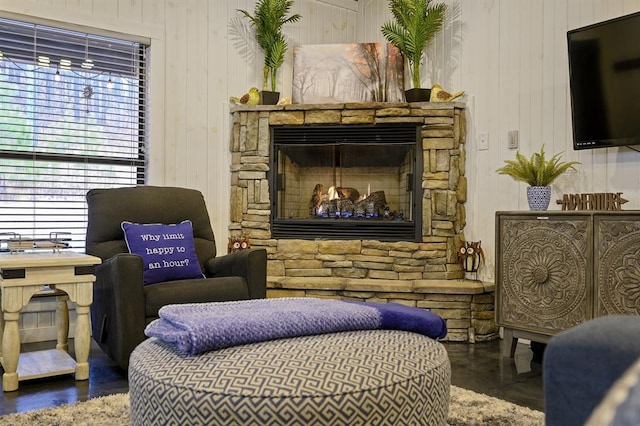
{"x": 238, "y": 243}
{"x": 233, "y": 245}
{"x": 470, "y": 256}
{"x": 244, "y": 243}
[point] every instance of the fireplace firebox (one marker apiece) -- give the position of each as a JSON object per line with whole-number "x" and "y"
{"x": 346, "y": 182}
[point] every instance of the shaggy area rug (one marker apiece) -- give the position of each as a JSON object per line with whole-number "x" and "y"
{"x": 466, "y": 408}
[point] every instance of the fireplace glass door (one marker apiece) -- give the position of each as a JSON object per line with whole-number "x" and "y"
{"x": 346, "y": 182}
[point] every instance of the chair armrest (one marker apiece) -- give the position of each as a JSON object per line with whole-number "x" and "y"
{"x": 118, "y": 309}
{"x": 250, "y": 264}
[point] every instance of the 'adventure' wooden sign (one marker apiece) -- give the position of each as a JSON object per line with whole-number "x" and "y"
{"x": 592, "y": 201}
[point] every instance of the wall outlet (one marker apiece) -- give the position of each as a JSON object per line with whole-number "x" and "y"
{"x": 513, "y": 139}
{"x": 483, "y": 141}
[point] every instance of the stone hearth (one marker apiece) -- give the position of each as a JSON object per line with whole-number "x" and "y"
{"x": 425, "y": 274}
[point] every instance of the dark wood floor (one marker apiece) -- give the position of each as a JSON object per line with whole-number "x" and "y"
{"x": 479, "y": 367}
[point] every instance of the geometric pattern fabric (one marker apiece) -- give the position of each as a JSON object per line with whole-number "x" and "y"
{"x": 369, "y": 377}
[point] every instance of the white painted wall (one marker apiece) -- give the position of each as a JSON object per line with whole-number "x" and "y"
{"x": 509, "y": 55}
{"x": 511, "y": 58}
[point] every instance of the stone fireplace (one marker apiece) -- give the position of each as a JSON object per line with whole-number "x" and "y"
{"x": 345, "y": 182}
{"x": 424, "y": 190}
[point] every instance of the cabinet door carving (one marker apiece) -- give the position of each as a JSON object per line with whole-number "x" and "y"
{"x": 617, "y": 265}
{"x": 544, "y": 283}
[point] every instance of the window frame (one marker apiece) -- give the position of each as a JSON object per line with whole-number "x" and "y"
{"x": 139, "y": 165}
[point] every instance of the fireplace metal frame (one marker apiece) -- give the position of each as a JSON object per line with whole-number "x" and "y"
{"x": 348, "y": 229}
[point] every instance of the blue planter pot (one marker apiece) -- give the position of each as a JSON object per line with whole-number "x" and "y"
{"x": 538, "y": 197}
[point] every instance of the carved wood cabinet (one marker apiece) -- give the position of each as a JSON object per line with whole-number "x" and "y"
{"x": 555, "y": 270}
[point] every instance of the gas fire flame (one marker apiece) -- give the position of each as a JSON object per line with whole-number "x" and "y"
{"x": 334, "y": 194}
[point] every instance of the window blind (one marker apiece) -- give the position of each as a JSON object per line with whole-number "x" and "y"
{"x": 72, "y": 117}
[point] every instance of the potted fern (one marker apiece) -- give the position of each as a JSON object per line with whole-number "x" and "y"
{"x": 538, "y": 172}
{"x": 267, "y": 20}
{"x": 415, "y": 23}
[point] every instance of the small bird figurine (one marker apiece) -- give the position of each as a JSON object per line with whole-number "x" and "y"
{"x": 250, "y": 98}
{"x": 440, "y": 95}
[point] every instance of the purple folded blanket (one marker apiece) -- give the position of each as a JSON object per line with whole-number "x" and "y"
{"x": 200, "y": 327}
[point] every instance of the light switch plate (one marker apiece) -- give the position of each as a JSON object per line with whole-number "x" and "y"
{"x": 513, "y": 139}
{"x": 483, "y": 141}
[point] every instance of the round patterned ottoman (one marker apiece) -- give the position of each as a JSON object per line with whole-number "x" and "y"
{"x": 373, "y": 377}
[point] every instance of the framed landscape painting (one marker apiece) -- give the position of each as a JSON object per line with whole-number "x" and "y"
{"x": 355, "y": 72}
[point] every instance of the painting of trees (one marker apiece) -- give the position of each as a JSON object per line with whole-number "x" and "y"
{"x": 356, "y": 72}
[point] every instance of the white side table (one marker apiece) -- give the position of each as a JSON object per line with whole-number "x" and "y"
{"x": 69, "y": 276}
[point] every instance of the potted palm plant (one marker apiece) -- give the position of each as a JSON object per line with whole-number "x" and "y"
{"x": 538, "y": 172}
{"x": 415, "y": 23}
{"x": 267, "y": 20}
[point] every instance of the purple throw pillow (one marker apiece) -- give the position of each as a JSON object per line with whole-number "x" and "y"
{"x": 168, "y": 251}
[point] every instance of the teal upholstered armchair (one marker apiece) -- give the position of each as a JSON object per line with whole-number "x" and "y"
{"x": 122, "y": 303}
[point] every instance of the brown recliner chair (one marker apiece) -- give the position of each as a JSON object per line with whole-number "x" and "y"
{"x": 122, "y": 305}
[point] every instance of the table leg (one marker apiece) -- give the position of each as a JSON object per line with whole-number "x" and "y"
{"x": 62, "y": 323}
{"x": 82, "y": 342}
{"x": 509, "y": 343}
{"x": 1, "y": 326}
{"x": 10, "y": 351}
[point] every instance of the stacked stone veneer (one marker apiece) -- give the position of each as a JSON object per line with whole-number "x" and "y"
{"x": 425, "y": 274}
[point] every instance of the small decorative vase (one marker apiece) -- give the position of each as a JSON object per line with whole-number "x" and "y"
{"x": 417, "y": 95}
{"x": 269, "y": 98}
{"x": 538, "y": 197}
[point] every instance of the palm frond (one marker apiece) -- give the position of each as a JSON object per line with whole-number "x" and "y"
{"x": 536, "y": 170}
{"x": 268, "y": 18}
{"x": 415, "y": 23}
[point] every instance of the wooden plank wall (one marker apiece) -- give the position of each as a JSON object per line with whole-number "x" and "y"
{"x": 509, "y": 55}
{"x": 511, "y": 58}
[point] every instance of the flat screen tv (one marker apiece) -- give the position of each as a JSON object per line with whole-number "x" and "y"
{"x": 604, "y": 83}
